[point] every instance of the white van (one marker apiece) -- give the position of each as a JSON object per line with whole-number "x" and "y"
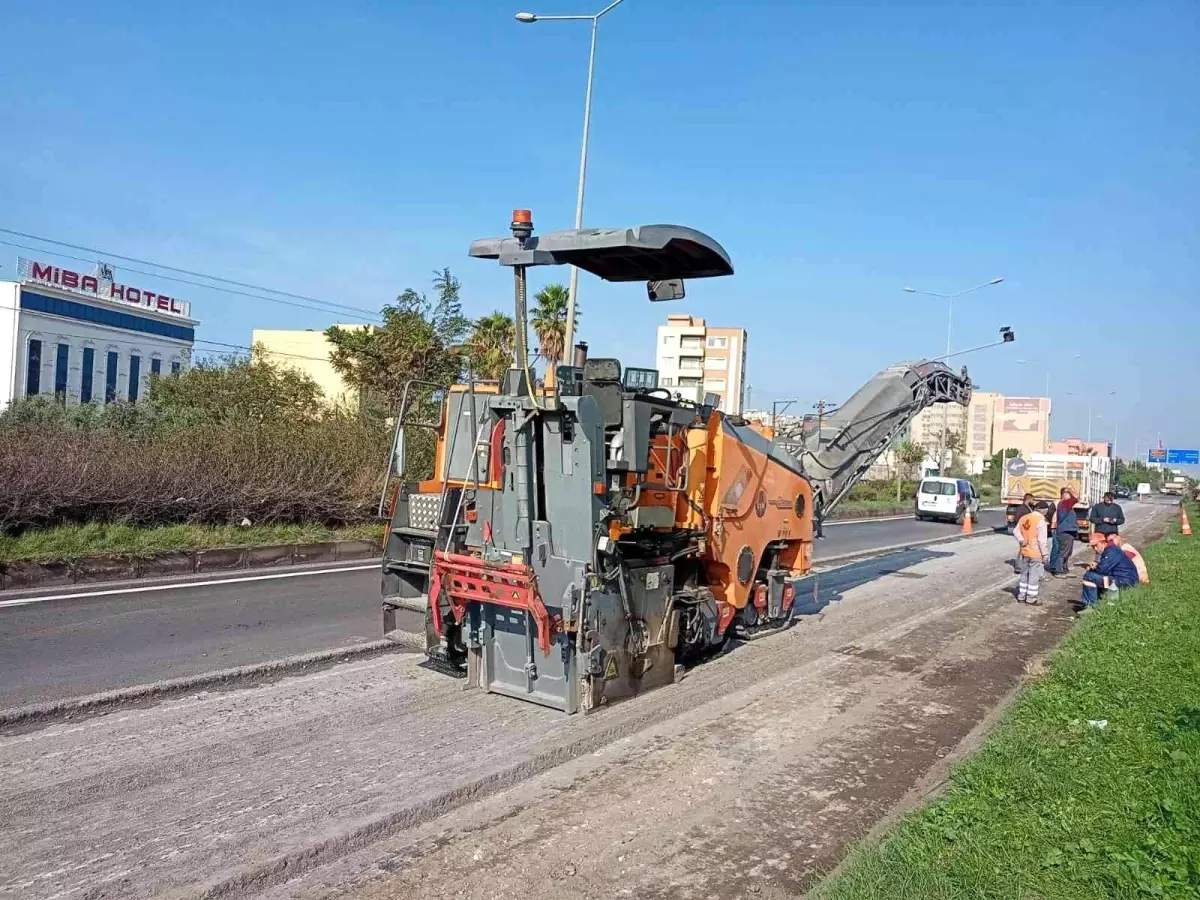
{"x": 947, "y": 499}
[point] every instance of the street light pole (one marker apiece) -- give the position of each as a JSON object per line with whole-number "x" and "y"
{"x": 949, "y": 298}
{"x": 1089, "y": 414}
{"x": 529, "y": 18}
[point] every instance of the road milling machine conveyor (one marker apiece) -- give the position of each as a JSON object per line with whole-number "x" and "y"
{"x": 580, "y": 540}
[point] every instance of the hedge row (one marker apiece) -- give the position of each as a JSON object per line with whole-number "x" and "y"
{"x": 325, "y": 471}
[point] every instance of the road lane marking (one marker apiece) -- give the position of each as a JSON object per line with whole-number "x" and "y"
{"x": 145, "y": 589}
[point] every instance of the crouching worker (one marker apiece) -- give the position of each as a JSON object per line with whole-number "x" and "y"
{"x": 1033, "y": 551}
{"x": 1114, "y": 569}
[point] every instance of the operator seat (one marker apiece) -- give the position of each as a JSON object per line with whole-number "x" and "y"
{"x": 602, "y": 382}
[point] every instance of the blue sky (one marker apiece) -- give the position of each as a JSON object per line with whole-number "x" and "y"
{"x": 839, "y": 151}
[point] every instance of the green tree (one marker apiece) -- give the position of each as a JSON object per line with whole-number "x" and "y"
{"x": 909, "y": 455}
{"x": 1132, "y": 473}
{"x": 234, "y": 389}
{"x": 419, "y": 339}
{"x": 491, "y": 345}
{"x": 993, "y": 472}
{"x": 550, "y": 321}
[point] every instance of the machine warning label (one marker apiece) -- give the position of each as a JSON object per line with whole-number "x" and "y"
{"x": 610, "y": 669}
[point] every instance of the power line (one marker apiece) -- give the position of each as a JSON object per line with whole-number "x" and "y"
{"x": 144, "y": 262}
{"x": 211, "y": 287}
{"x": 323, "y": 359}
{"x": 106, "y": 339}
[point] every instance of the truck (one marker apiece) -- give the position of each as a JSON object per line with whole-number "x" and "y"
{"x": 1143, "y": 490}
{"x": 1045, "y": 475}
{"x": 1175, "y": 486}
{"x": 579, "y": 543}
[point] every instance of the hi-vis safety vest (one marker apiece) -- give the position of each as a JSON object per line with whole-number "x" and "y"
{"x": 1138, "y": 563}
{"x": 1027, "y": 528}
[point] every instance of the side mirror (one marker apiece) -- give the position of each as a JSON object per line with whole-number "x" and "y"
{"x": 659, "y": 291}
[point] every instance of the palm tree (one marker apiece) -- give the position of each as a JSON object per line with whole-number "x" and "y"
{"x": 550, "y": 321}
{"x": 491, "y": 345}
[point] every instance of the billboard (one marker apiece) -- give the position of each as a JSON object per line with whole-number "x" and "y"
{"x": 1022, "y": 423}
{"x": 1013, "y": 408}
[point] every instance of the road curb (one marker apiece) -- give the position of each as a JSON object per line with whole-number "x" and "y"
{"x": 39, "y": 713}
{"x": 890, "y": 517}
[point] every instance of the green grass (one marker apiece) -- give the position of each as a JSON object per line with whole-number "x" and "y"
{"x": 861, "y": 505}
{"x": 77, "y": 541}
{"x": 1054, "y": 808}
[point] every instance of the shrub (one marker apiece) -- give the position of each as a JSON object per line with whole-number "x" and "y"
{"x": 222, "y": 442}
{"x": 328, "y": 471}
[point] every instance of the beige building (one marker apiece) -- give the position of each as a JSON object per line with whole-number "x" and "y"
{"x": 694, "y": 359}
{"x": 307, "y": 351}
{"x": 991, "y": 423}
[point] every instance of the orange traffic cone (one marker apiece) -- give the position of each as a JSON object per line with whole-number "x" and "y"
{"x": 968, "y": 527}
{"x": 1185, "y": 525}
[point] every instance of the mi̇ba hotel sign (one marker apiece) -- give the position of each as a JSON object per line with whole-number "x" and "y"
{"x": 86, "y": 337}
{"x": 101, "y": 284}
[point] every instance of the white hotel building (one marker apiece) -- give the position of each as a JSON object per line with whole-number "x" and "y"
{"x": 86, "y": 338}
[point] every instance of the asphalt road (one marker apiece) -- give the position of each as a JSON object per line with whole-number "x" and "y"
{"x": 80, "y": 643}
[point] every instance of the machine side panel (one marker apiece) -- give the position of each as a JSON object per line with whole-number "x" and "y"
{"x": 468, "y": 426}
{"x": 761, "y": 503}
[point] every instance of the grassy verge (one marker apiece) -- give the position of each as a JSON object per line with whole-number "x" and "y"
{"x": 77, "y": 541}
{"x": 1053, "y": 806}
{"x": 854, "y": 506}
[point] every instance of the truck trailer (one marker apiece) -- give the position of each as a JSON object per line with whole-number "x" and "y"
{"x": 1045, "y": 475}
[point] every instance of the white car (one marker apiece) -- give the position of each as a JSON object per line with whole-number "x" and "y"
{"x": 947, "y": 499}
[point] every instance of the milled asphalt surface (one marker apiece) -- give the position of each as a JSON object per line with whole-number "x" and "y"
{"x": 71, "y": 647}
{"x": 379, "y": 779}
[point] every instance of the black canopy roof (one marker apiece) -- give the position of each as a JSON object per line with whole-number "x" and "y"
{"x": 643, "y": 253}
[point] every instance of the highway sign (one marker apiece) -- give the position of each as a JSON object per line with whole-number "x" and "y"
{"x": 1157, "y": 455}
{"x": 1183, "y": 457}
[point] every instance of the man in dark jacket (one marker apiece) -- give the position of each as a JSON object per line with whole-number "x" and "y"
{"x": 1114, "y": 569}
{"x": 1066, "y": 531}
{"x": 1107, "y": 517}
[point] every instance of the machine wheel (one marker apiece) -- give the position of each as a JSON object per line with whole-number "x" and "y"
{"x": 958, "y": 519}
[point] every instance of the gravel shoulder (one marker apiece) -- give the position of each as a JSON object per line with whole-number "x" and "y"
{"x": 381, "y": 779}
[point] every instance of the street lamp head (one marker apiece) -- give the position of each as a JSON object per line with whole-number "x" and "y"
{"x": 526, "y": 17}
{"x": 910, "y": 290}
{"x": 996, "y": 280}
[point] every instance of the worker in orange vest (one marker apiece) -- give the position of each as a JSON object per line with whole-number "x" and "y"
{"x": 1131, "y": 551}
{"x": 1033, "y": 552}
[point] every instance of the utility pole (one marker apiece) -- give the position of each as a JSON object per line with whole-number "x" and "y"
{"x": 820, "y": 407}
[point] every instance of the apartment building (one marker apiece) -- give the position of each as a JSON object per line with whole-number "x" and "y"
{"x": 694, "y": 359}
